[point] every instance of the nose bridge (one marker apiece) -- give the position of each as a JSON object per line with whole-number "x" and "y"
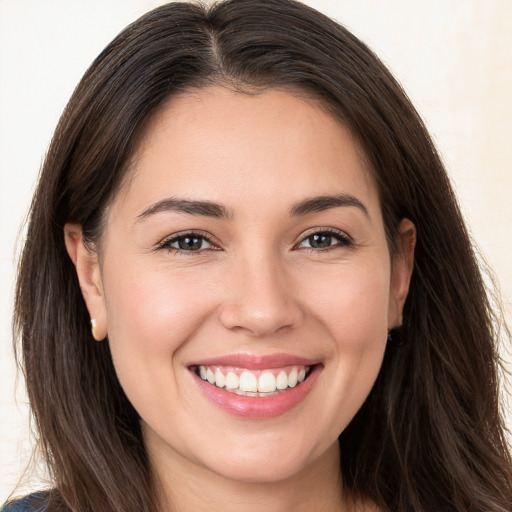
{"x": 260, "y": 295}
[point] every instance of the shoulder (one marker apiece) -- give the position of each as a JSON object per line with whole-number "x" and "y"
{"x": 35, "y": 502}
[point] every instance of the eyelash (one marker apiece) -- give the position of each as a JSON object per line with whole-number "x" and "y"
{"x": 342, "y": 241}
{"x": 166, "y": 244}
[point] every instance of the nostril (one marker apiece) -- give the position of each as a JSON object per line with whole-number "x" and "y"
{"x": 260, "y": 320}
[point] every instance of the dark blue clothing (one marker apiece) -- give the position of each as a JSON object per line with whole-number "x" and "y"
{"x": 35, "y": 502}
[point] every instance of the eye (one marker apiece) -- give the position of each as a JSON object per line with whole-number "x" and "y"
{"x": 324, "y": 239}
{"x": 187, "y": 242}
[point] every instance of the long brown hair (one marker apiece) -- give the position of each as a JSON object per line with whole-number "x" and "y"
{"x": 429, "y": 437}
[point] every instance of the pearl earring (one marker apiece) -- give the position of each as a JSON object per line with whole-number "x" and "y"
{"x": 93, "y": 330}
{"x": 99, "y": 333}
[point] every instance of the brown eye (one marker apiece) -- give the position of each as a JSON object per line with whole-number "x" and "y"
{"x": 188, "y": 242}
{"x": 324, "y": 240}
{"x": 320, "y": 241}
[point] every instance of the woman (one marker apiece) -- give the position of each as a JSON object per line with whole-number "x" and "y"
{"x": 243, "y": 209}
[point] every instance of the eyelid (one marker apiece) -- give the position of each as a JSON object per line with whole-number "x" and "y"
{"x": 165, "y": 242}
{"x": 345, "y": 240}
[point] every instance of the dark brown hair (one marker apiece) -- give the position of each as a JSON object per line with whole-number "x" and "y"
{"x": 429, "y": 437}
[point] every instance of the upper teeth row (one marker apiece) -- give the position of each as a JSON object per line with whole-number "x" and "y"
{"x": 266, "y": 382}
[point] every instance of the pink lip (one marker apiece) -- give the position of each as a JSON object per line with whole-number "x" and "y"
{"x": 257, "y": 407}
{"x": 255, "y": 362}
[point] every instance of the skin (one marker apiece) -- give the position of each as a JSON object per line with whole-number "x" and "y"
{"x": 256, "y": 288}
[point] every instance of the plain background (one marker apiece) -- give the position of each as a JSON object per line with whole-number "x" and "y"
{"x": 452, "y": 56}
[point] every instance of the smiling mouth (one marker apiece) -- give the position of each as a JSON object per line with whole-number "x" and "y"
{"x": 253, "y": 383}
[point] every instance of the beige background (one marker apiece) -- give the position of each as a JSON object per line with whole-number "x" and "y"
{"x": 452, "y": 56}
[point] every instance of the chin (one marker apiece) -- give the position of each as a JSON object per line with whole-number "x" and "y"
{"x": 271, "y": 458}
{"x": 262, "y": 470}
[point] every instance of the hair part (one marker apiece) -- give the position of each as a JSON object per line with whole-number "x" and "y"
{"x": 429, "y": 436}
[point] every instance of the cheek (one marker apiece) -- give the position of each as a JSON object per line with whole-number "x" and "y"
{"x": 152, "y": 315}
{"x": 355, "y": 315}
{"x": 360, "y": 328}
{"x": 150, "y": 318}
{"x": 355, "y": 309}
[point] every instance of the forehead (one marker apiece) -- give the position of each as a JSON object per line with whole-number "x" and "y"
{"x": 215, "y": 142}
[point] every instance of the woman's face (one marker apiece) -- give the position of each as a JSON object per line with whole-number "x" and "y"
{"x": 246, "y": 284}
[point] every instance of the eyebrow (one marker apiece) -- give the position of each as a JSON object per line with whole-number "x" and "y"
{"x": 216, "y": 210}
{"x": 172, "y": 204}
{"x": 321, "y": 203}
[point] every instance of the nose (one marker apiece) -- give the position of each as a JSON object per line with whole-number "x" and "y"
{"x": 260, "y": 298}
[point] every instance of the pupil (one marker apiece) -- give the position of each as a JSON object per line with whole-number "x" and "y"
{"x": 320, "y": 241}
{"x": 190, "y": 243}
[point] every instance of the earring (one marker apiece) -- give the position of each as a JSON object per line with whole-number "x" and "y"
{"x": 94, "y": 331}
{"x": 395, "y": 337}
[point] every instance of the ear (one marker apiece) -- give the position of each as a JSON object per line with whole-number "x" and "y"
{"x": 401, "y": 271}
{"x": 89, "y": 276}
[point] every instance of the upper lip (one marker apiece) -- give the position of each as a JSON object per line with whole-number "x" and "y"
{"x": 256, "y": 362}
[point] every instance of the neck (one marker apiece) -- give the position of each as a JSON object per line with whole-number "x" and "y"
{"x": 186, "y": 487}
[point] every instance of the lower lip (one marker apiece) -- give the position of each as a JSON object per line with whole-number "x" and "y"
{"x": 259, "y": 407}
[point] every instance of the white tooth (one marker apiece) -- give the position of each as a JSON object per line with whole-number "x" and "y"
{"x": 248, "y": 382}
{"x": 302, "y": 375}
{"x": 210, "y": 376}
{"x": 202, "y": 372}
{"x": 282, "y": 380}
{"x": 220, "y": 380}
{"x": 266, "y": 383}
{"x": 292, "y": 378}
{"x": 232, "y": 380}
